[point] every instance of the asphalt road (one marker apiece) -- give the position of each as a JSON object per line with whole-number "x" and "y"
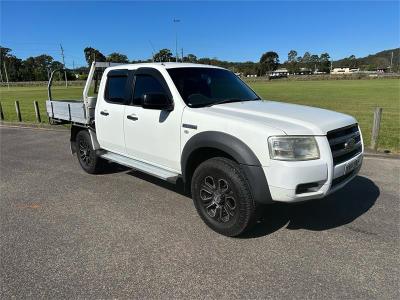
{"x": 67, "y": 234}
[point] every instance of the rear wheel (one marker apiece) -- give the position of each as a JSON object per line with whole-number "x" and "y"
{"x": 87, "y": 156}
{"x": 222, "y": 196}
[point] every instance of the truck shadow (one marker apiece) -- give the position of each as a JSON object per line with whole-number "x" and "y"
{"x": 336, "y": 210}
{"x": 177, "y": 188}
{"x": 112, "y": 168}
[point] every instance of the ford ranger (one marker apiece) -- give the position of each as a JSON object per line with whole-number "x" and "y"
{"x": 204, "y": 126}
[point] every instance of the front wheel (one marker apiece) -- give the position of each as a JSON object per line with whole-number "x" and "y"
{"x": 222, "y": 196}
{"x": 87, "y": 157}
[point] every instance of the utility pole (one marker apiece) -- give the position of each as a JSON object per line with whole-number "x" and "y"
{"x": 5, "y": 71}
{"x": 63, "y": 59}
{"x": 391, "y": 63}
{"x": 182, "y": 54}
{"x": 176, "y": 39}
{"x": 1, "y": 74}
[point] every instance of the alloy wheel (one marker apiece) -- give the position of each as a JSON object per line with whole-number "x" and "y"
{"x": 218, "y": 199}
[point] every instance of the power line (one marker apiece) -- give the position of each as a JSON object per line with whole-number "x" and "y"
{"x": 153, "y": 52}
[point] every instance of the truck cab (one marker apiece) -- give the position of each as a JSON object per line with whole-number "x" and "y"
{"x": 203, "y": 125}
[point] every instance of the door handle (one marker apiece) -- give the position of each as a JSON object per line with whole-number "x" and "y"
{"x": 104, "y": 113}
{"x": 132, "y": 117}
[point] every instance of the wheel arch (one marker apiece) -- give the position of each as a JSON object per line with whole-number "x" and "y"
{"x": 210, "y": 144}
{"x": 75, "y": 129}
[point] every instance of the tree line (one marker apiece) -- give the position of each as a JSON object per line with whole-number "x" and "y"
{"x": 39, "y": 68}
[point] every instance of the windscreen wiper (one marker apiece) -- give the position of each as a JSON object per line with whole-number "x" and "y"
{"x": 230, "y": 100}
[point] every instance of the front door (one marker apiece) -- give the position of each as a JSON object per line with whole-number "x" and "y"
{"x": 152, "y": 135}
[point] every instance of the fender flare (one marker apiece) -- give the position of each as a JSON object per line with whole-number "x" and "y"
{"x": 239, "y": 151}
{"x": 74, "y": 131}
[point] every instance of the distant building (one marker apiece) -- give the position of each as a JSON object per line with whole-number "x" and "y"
{"x": 381, "y": 70}
{"x": 344, "y": 71}
{"x": 305, "y": 71}
{"x": 279, "y": 73}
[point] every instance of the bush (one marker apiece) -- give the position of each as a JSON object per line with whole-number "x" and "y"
{"x": 82, "y": 76}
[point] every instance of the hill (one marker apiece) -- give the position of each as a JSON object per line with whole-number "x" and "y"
{"x": 372, "y": 62}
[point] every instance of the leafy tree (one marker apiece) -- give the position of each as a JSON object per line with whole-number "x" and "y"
{"x": 314, "y": 61}
{"x": 292, "y": 64}
{"x": 28, "y": 68}
{"x": 42, "y": 65}
{"x": 4, "y": 52}
{"x": 292, "y": 55}
{"x": 269, "y": 61}
{"x": 92, "y": 54}
{"x": 248, "y": 68}
{"x": 306, "y": 60}
{"x": 190, "y": 58}
{"x": 117, "y": 57}
{"x": 11, "y": 63}
{"x": 324, "y": 62}
{"x": 353, "y": 63}
{"x": 164, "y": 55}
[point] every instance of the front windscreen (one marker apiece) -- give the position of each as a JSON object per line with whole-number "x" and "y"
{"x": 200, "y": 87}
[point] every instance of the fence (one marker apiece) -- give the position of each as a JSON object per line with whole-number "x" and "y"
{"x": 42, "y": 83}
{"x": 19, "y": 113}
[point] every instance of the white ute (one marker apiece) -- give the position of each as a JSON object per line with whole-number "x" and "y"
{"x": 204, "y": 126}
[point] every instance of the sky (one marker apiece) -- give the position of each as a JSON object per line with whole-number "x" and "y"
{"x": 227, "y": 30}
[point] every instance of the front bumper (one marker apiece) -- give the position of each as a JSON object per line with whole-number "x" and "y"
{"x": 287, "y": 179}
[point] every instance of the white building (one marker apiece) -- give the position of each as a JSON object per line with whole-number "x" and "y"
{"x": 347, "y": 71}
{"x": 279, "y": 73}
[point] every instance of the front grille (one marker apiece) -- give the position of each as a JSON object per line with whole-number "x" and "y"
{"x": 345, "y": 143}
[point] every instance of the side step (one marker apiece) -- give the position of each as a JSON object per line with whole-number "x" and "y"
{"x": 141, "y": 166}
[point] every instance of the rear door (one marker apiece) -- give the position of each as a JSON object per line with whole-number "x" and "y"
{"x": 110, "y": 111}
{"x": 152, "y": 135}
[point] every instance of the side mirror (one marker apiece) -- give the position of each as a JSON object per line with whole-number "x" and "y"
{"x": 158, "y": 101}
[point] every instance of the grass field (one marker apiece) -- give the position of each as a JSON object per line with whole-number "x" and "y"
{"x": 355, "y": 97}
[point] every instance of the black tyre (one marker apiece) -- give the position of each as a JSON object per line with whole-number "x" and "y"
{"x": 222, "y": 196}
{"x": 87, "y": 157}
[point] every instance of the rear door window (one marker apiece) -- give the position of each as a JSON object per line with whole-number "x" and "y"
{"x": 117, "y": 90}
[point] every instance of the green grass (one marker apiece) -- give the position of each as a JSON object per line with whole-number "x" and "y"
{"x": 26, "y": 96}
{"x": 355, "y": 97}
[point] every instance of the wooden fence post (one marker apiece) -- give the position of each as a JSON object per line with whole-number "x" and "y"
{"x": 18, "y": 111}
{"x": 375, "y": 128}
{"x": 1, "y": 113}
{"x": 37, "y": 111}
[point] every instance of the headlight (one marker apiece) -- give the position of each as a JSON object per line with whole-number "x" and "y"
{"x": 293, "y": 147}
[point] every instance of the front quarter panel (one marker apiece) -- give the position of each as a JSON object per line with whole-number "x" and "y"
{"x": 247, "y": 131}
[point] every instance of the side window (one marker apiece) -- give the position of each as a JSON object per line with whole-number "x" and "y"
{"x": 145, "y": 84}
{"x": 116, "y": 89}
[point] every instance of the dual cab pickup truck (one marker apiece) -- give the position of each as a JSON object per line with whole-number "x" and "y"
{"x": 203, "y": 125}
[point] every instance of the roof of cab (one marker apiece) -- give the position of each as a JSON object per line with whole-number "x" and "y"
{"x": 162, "y": 65}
